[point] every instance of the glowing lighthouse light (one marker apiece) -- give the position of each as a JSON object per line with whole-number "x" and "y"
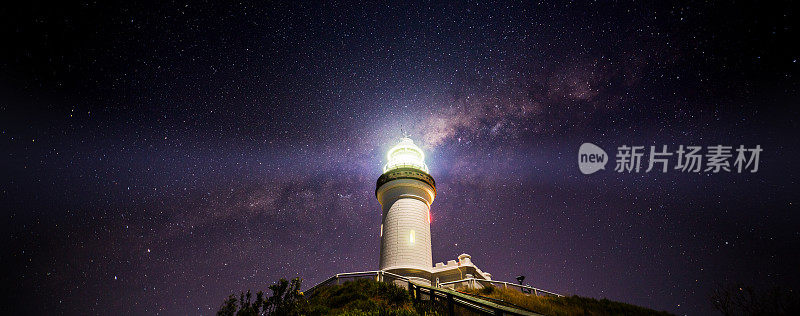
{"x": 405, "y": 155}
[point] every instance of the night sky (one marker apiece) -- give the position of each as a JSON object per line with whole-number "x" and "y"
{"x": 158, "y": 157}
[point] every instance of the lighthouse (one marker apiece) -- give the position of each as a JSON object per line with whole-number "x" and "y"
{"x": 406, "y": 191}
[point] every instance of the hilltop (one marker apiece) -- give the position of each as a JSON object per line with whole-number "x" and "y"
{"x": 368, "y": 297}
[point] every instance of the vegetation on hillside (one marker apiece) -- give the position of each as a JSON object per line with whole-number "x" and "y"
{"x": 562, "y": 306}
{"x": 365, "y": 297}
{"x": 286, "y": 299}
{"x": 368, "y": 297}
{"x": 746, "y": 300}
{"x": 360, "y": 297}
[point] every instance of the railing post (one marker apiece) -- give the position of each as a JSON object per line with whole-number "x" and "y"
{"x": 451, "y": 305}
{"x": 432, "y": 296}
{"x": 535, "y": 293}
{"x": 337, "y": 279}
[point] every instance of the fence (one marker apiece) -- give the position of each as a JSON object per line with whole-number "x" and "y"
{"x": 473, "y": 283}
{"x": 380, "y": 276}
{"x": 445, "y": 296}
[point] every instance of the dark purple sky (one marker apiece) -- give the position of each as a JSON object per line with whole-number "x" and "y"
{"x": 158, "y": 157}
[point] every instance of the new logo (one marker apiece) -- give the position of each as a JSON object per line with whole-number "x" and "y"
{"x": 591, "y": 158}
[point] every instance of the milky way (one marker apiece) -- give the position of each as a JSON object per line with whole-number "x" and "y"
{"x": 158, "y": 157}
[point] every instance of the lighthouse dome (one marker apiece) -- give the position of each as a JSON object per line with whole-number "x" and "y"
{"x": 405, "y": 154}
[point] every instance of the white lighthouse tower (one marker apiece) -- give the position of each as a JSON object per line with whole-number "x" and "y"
{"x": 406, "y": 192}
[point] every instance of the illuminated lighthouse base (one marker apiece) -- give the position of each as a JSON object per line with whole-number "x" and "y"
{"x": 406, "y": 191}
{"x": 407, "y": 238}
{"x": 405, "y": 228}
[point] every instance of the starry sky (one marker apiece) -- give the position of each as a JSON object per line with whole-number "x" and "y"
{"x": 157, "y": 157}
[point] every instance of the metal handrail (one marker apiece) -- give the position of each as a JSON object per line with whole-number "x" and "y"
{"x": 505, "y": 284}
{"x": 491, "y": 299}
{"x": 336, "y": 277}
{"x": 450, "y": 297}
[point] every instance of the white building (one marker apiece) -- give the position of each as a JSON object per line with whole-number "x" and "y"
{"x": 406, "y": 191}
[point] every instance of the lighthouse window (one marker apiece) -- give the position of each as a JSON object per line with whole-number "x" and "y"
{"x": 411, "y": 237}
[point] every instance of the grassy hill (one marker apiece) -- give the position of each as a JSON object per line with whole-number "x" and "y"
{"x": 368, "y": 297}
{"x": 364, "y": 297}
{"x": 562, "y": 306}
